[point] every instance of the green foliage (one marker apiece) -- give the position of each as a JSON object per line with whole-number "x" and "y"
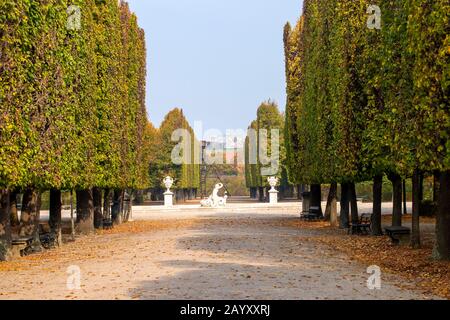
{"x": 362, "y": 102}
{"x": 292, "y": 61}
{"x": 186, "y": 175}
{"x": 72, "y": 101}
{"x": 268, "y": 118}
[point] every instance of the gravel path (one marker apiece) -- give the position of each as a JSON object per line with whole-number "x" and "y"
{"x": 219, "y": 258}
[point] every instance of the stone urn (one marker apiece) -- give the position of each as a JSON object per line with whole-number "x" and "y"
{"x": 273, "y": 182}
{"x": 168, "y": 195}
{"x": 273, "y": 193}
{"x": 168, "y": 183}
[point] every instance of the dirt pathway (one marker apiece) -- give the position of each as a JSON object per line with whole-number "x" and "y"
{"x": 220, "y": 258}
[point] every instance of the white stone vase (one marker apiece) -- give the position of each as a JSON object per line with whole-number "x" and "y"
{"x": 168, "y": 183}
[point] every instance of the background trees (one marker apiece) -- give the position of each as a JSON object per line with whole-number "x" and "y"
{"x": 186, "y": 175}
{"x": 366, "y": 102}
{"x": 268, "y": 118}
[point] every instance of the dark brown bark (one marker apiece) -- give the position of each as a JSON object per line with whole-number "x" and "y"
{"x": 405, "y": 207}
{"x": 85, "y": 211}
{"x": 98, "y": 214}
{"x": 415, "y": 235}
{"x": 299, "y": 192}
{"x": 316, "y": 196}
{"x": 261, "y": 194}
{"x": 139, "y": 199}
{"x": 72, "y": 217}
{"x": 128, "y": 203}
{"x": 122, "y": 205}
{"x": 116, "y": 215}
{"x": 13, "y": 209}
{"x": 396, "y": 199}
{"x": 253, "y": 193}
{"x": 377, "y": 202}
{"x": 30, "y": 216}
{"x": 331, "y": 197}
{"x": 353, "y": 203}
{"x": 5, "y": 226}
{"x": 107, "y": 203}
{"x": 436, "y": 186}
{"x": 421, "y": 178}
{"x": 442, "y": 248}
{"x": 55, "y": 215}
{"x": 345, "y": 210}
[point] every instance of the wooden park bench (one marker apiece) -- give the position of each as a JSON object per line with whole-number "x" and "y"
{"x": 20, "y": 245}
{"x": 363, "y": 226}
{"x": 313, "y": 214}
{"x": 398, "y": 234}
{"x": 107, "y": 224}
{"x": 48, "y": 240}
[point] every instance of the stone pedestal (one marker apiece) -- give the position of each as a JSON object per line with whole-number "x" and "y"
{"x": 273, "y": 197}
{"x": 168, "y": 199}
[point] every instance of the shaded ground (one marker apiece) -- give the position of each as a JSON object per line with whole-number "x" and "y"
{"x": 209, "y": 258}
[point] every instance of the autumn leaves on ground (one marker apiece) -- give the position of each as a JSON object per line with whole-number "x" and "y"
{"x": 242, "y": 257}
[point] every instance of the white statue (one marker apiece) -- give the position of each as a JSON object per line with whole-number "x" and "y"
{"x": 168, "y": 183}
{"x": 214, "y": 201}
{"x": 273, "y": 182}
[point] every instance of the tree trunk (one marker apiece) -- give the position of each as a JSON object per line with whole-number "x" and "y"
{"x": 122, "y": 206}
{"x": 415, "y": 236}
{"x": 29, "y": 218}
{"x": 333, "y": 214}
{"x": 5, "y": 226}
{"x": 442, "y": 248}
{"x": 85, "y": 211}
{"x": 13, "y": 209}
{"x": 128, "y": 203}
{"x": 331, "y": 197}
{"x": 436, "y": 186}
{"x": 421, "y": 178}
{"x": 353, "y": 203}
{"x": 405, "y": 206}
{"x": 139, "y": 199}
{"x": 345, "y": 210}
{"x": 396, "y": 200}
{"x": 55, "y": 215}
{"x": 281, "y": 192}
{"x": 116, "y": 208}
{"x": 261, "y": 194}
{"x": 299, "y": 192}
{"x": 107, "y": 204}
{"x": 98, "y": 214}
{"x": 377, "y": 202}
{"x": 316, "y": 196}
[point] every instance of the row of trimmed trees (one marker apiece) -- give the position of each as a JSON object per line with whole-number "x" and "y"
{"x": 363, "y": 103}
{"x": 186, "y": 175}
{"x": 268, "y": 118}
{"x": 72, "y": 109}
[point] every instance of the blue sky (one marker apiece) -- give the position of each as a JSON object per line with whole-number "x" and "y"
{"x": 216, "y": 59}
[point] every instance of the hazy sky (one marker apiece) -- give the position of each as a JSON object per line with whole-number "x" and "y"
{"x": 216, "y": 59}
